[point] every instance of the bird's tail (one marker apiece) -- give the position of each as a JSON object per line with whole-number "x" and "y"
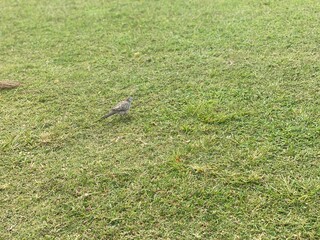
{"x": 108, "y": 115}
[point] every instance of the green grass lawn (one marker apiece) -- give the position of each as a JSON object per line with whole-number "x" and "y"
{"x": 222, "y": 141}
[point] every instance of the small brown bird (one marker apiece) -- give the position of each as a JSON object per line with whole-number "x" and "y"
{"x": 121, "y": 108}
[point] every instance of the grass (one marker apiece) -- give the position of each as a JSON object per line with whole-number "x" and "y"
{"x": 222, "y": 141}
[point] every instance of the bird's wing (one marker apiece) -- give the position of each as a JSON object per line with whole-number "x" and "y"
{"x": 121, "y": 106}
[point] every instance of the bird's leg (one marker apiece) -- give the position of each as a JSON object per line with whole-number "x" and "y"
{"x": 124, "y": 114}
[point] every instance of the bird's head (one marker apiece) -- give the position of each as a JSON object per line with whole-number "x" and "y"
{"x": 129, "y": 99}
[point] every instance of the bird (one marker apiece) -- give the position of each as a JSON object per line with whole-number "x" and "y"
{"x": 121, "y": 108}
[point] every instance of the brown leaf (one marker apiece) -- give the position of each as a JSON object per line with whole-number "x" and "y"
{"x": 8, "y": 84}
